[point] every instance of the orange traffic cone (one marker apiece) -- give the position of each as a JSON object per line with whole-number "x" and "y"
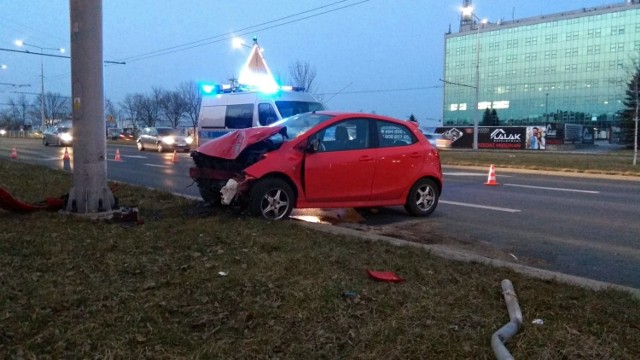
{"x": 491, "y": 181}
{"x": 66, "y": 154}
{"x": 14, "y": 153}
{"x": 117, "y": 157}
{"x": 175, "y": 157}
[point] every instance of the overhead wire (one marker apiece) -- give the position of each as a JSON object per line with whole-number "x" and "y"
{"x": 227, "y": 36}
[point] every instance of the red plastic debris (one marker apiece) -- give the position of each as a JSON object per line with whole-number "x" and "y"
{"x": 386, "y": 276}
{"x": 10, "y": 203}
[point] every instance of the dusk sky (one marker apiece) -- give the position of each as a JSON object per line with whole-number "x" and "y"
{"x": 381, "y": 55}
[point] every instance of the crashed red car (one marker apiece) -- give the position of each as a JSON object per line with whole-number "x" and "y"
{"x": 321, "y": 160}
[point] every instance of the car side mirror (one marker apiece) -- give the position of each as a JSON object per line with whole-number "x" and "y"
{"x": 313, "y": 146}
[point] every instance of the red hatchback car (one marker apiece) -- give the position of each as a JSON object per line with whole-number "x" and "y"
{"x": 321, "y": 160}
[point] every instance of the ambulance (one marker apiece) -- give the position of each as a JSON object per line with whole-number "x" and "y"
{"x": 225, "y": 108}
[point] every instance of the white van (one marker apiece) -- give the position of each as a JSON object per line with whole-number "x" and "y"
{"x": 225, "y": 110}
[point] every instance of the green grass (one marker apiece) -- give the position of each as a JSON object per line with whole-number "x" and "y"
{"x": 76, "y": 288}
{"x": 612, "y": 163}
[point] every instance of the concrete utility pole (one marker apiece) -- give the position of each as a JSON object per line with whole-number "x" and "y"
{"x": 90, "y": 192}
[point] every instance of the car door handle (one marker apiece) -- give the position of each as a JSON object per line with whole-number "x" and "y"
{"x": 415, "y": 155}
{"x": 365, "y": 158}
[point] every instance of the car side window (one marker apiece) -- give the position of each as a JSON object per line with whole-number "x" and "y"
{"x": 392, "y": 134}
{"x": 352, "y": 134}
{"x": 266, "y": 114}
{"x": 239, "y": 116}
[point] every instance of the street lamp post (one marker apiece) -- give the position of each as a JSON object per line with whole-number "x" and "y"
{"x": 42, "y": 49}
{"x": 469, "y": 14}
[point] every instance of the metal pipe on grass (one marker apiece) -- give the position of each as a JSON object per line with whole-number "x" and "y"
{"x": 511, "y": 328}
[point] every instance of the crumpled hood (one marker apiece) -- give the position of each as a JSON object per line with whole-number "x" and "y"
{"x": 229, "y": 146}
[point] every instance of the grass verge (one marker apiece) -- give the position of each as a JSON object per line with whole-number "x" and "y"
{"x": 611, "y": 163}
{"x": 191, "y": 284}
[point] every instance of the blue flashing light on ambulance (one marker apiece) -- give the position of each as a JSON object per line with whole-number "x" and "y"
{"x": 228, "y": 107}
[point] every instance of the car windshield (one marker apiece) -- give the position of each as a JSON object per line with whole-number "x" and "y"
{"x": 63, "y": 129}
{"x": 168, "y": 132}
{"x": 299, "y": 124}
{"x": 290, "y": 108}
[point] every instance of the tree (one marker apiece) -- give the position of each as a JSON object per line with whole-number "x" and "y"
{"x": 20, "y": 110}
{"x": 130, "y": 106}
{"x": 56, "y": 107}
{"x": 302, "y": 74}
{"x": 173, "y": 106}
{"x": 112, "y": 112}
{"x": 412, "y": 118}
{"x": 495, "y": 121}
{"x": 630, "y": 113}
{"x": 191, "y": 94}
{"x": 149, "y": 107}
{"x": 486, "y": 118}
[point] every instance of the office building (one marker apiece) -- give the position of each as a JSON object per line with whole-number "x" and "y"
{"x": 570, "y": 67}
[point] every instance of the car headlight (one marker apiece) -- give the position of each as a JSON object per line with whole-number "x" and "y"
{"x": 66, "y": 137}
{"x": 3, "y": 132}
{"x": 189, "y": 140}
{"x": 169, "y": 140}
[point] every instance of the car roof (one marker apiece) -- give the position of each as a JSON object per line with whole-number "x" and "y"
{"x": 359, "y": 114}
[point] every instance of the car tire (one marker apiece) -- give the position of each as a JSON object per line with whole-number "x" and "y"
{"x": 44, "y": 142}
{"x": 272, "y": 199}
{"x": 140, "y": 146}
{"x": 423, "y": 198}
{"x": 160, "y": 148}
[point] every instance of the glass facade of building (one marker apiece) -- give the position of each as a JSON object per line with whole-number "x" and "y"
{"x": 571, "y": 67}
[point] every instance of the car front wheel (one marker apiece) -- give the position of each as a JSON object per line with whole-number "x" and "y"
{"x": 160, "y": 147}
{"x": 44, "y": 142}
{"x": 140, "y": 146}
{"x": 423, "y": 198}
{"x": 272, "y": 199}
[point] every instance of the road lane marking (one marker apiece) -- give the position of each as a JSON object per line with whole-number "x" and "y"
{"x": 135, "y": 156}
{"x": 480, "y": 206}
{"x": 160, "y": 166}
{"x": 554, "y": 189}
{"x": 469, "y": 174}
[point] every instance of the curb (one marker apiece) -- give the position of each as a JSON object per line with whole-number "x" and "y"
{"x": 458, "y": 255}
{"x": 547, "y": 172}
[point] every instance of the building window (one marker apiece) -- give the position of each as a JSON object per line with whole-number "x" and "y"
{"x": 551, "y": 38}
{"x": 512, "y": 44}
{"x": 571, "y": 52}
{"x": 571, "y": 36}
{"x": 530, "y": 56}
{"x": 616, "y": 64}
{"x": 529, "y": 72}
{"x": 494, "y": 60}
{"x": 592, "y": 66}
{"x": 550, "y": 69}
{"x": 572, "y": 68}
{"x": 617, "y": 30}
{"x": 509, "y": 73}
{"x": 636, "y": 45}
{"x": 619, "y": 47}
{"x": 512, "y": 58}
{"x": 550, "y": 54}
{"x": 594, "y": 33}
{"x": 531, "y": 41}
{"x": 593, "y": 50}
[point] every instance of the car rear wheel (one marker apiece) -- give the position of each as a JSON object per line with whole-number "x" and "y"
{"x": 140, "y": 146}
{"x": 423, "y": 198}
{"x": 272, "y": 199}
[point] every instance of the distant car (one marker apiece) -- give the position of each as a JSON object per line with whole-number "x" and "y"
{"x": 438, "y": 140}
{"x": 320, "y": 160}
{"x": 164, "y": 138}
{"x": 60, "y": 135}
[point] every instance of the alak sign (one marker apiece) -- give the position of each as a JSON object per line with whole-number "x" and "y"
{"x": 501, "y": 138}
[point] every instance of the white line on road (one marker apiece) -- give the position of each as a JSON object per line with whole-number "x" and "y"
{"x": 469, "y": 174}
{"x": 135, "y": 156}
{"x": 160, "y": 166}
{"x": 480, "y": 206}
{"x": 554, "y": 189}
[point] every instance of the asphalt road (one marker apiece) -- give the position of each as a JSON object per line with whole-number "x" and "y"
{"x": 583, "y": 226}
